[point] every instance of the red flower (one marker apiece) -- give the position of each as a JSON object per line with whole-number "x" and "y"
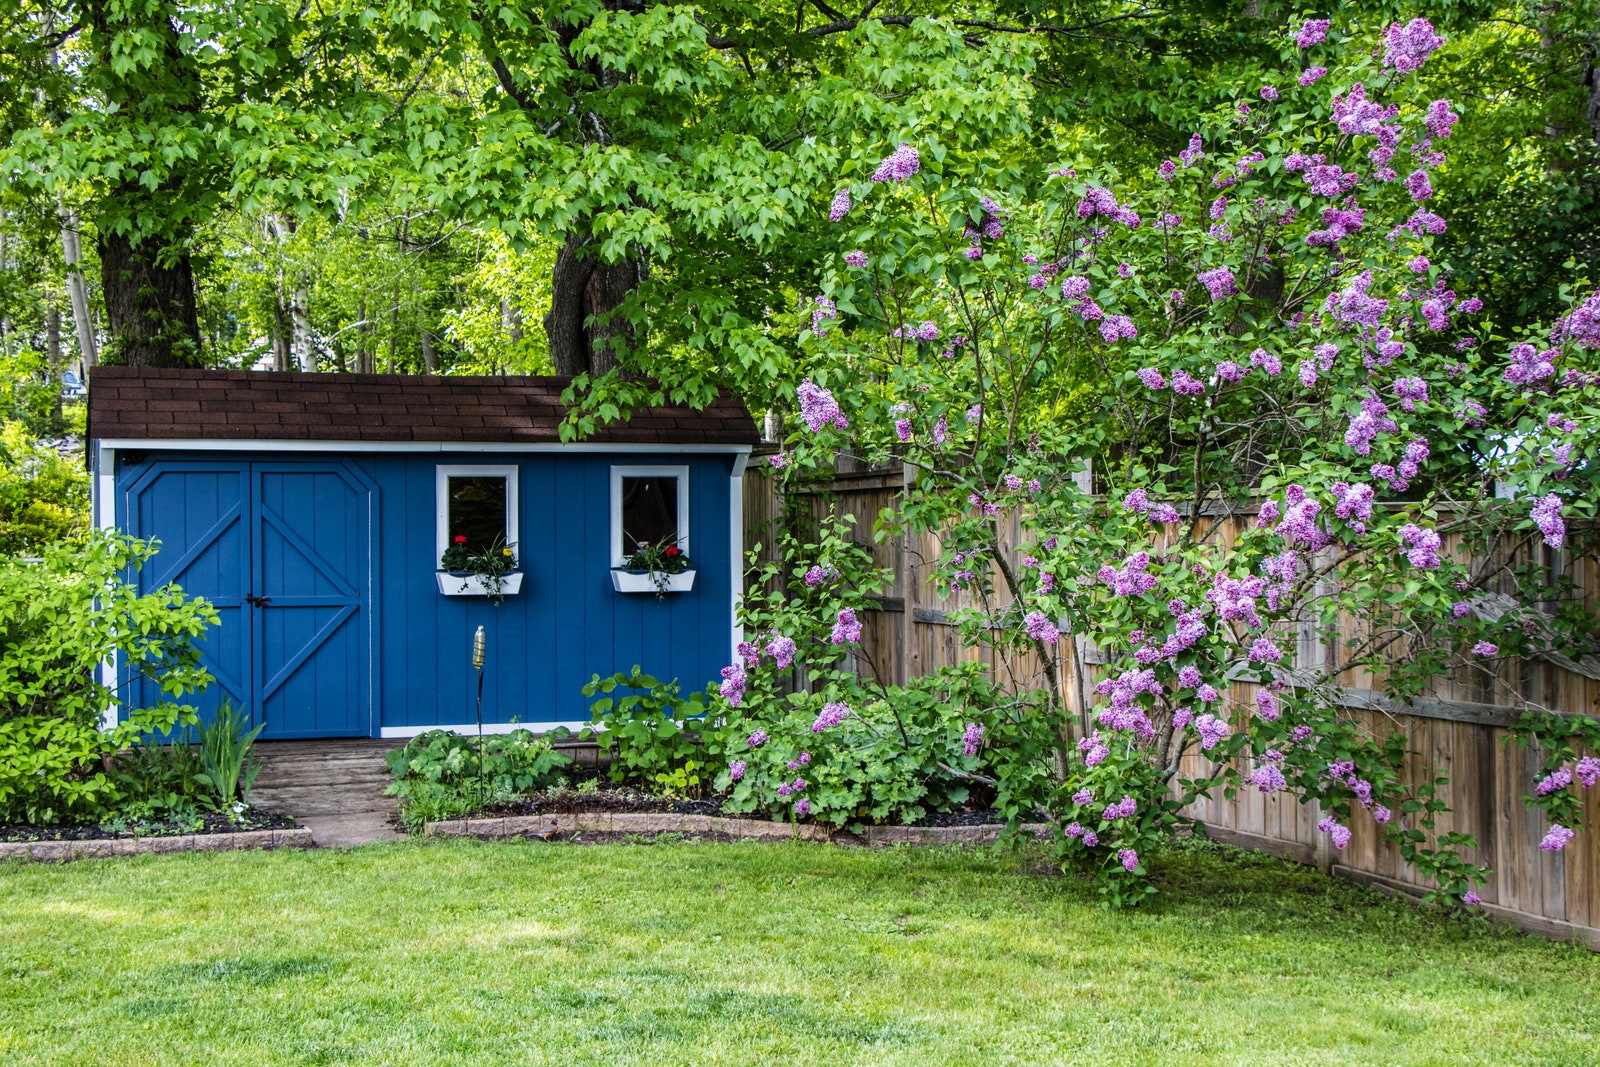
{"x": 672, "y": 550}
{"x": 461, "y": 539}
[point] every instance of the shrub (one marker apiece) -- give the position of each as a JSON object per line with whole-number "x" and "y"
{"x": 654, "y": 736}
{"x": 441, "y": 774}
{"x": 60, "y": 618}
{"x": 44, "y": 497}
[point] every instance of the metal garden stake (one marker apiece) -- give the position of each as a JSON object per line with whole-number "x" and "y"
{"x": 478, "y": 643}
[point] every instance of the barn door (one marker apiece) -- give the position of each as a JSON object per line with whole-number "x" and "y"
{"x": 201, "y": 514}
{"x": 310, "y": 594}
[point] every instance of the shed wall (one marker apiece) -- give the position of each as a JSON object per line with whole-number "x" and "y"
{"x": 565, "y": 625}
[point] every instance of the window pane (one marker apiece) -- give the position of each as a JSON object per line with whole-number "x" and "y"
{"x": 649, "y": 511}
{"x": 478, "y": 511}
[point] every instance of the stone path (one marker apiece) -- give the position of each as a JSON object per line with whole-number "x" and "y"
{"x": 335, "y": 788}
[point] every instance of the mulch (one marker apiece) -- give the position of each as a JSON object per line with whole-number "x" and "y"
{"x": 211, "y": 823}
{"x": 626, "y": 800}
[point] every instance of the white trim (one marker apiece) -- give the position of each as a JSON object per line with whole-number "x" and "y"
{"x": 645, "y": 581}
{"x": 470, "y": 729}
{"x": 736, "y": 547}
{"x": 104, "y": 507}
{"x": 176, "y": 444}
{"x": 476, "y": 584}
{"x": 680, "y": 472}
{"x": 441, "y": 497}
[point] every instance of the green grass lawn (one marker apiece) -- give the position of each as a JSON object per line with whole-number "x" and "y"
{"x": 458, "y": 952}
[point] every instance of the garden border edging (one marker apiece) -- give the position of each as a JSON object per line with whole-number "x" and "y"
{"x": 103, "y": 847}
{"x": 741, "y": 829}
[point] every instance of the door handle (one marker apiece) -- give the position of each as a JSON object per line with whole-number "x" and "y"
{"x": 258, "y": 601}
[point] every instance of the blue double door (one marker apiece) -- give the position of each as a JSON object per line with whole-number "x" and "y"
{"x": 286, "y": 552}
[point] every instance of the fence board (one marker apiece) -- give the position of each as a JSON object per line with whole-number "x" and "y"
{"x": 1458, "y": 727}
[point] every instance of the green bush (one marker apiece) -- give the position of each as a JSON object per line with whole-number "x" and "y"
{"x": 60, "y": 618}
{"x": 654, "y": 736}
{"x": 44, "y": 498}
{"x": 440, "y": 774}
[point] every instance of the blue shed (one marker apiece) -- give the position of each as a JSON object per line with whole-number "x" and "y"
{"x": 313, "y": 510}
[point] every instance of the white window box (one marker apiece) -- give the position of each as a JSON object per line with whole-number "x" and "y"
{"x": 476, "y": 585}
{"x": 626, "y": 581}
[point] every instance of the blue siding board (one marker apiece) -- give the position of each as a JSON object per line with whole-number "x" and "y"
{"x": 543, "y": 644}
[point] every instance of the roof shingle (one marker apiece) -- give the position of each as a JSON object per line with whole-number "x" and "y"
{"x": 147, "y": 403}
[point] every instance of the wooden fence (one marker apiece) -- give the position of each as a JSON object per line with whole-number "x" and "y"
{"x": 1459, "y": 729}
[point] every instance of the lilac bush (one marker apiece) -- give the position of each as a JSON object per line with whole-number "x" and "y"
{"x": 1005, "y": 334}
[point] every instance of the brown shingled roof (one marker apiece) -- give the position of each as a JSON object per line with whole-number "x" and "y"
{"x": 146, "y": 403}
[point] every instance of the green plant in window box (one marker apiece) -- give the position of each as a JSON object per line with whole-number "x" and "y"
{"x": 660, "y": 560}
{"x": 491, "y": 565}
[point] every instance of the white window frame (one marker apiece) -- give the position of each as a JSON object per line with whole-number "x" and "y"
{"x": 680, "y": 472}
{"x": 441, "y": 493}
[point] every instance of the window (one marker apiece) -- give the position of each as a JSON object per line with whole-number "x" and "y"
{"x": 478, "y": 503}
{"x": 648, "y": 504}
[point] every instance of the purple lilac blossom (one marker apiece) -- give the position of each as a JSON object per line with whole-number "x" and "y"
{"x": 1229, "y": 371}
{"x": 1422, "y": 546}
{"x": 1211, "y": 730}
{"x": 736, "y": 770}
{"x": 1090, "y": 839}
{"x": 757, "y": 739}
{"x": 1267, "y": 705}
{"x": 1268, "y": 92}
{"x": 830, "y": 715}
{"x": 1040, "y": 628}
{"x": 818, "y": 407}
{"x": 1219, "y": 283}
{"x": 1546, "y": 515}
{"x": 899, "y": 165}
{"x": 1485, "y": 648}
{"x": 847, "y": 628}
{"x": 1268, "y": 778}
{"x": 840, "y": 206}
{"x": 782, "y": 651}
{"x": 857, "y": 258}
{"x": 1129, "y": 859}
{"x": 1151, "y": 378}
{"x": 1557, "y": 779}
{"x": 1556, "y": 838}
{"x": 1267, "y": 362}
{"x": 1312, "y": 32}
{"x": 733, "y": 683}
{"x": 820, "y": 573}
{"x": 971, "y": 738}
{"x": 1185, "y": 384}
{"x": 1587, "y": 772}
{"x": 1336, "y": 830}
{"x": 1312, "y": 75}
{"x": 1408, "y": 47}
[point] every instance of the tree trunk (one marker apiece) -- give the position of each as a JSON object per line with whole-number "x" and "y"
{"x": 430, "y": 358}
{"x": 583, "y": 292}
{"x": 150, "y": 305}
{"x": 52, "y": 351}
{"x": 78, "y": 294}
{"x": 303, "y": 354}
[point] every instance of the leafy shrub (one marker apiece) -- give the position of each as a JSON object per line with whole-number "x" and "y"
{"x": 154, "y": 780}
{"x": 653, "y": 735}
{"x": 59, "y": 619}
{"x": 441, "y": 774}
{"x": 854, "y": 755}
{"x": 44, "y": 498}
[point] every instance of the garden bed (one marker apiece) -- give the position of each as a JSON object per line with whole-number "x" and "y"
{"x": 581, "y": 826}
{"x": 212, "y": 822}
{"x": 622, "y": 800}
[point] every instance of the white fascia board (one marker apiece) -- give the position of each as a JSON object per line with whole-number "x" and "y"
{"x": 205, "y": 445}
{"x": 103, "y": 505}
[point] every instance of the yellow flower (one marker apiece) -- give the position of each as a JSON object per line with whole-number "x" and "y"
{"x": 505, "y": 552}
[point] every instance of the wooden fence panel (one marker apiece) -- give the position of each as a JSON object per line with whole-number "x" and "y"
{"x": 1457, "y": 729}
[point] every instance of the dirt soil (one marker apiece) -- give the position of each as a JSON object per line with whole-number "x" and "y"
{"x": 211, "y": 823}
